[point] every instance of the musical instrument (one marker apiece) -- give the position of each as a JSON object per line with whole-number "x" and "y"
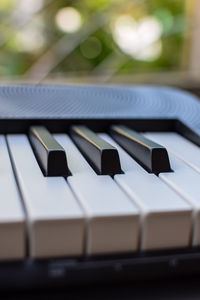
{"x": 98, "y": 184}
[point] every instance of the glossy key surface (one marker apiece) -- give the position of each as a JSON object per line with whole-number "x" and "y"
{"x": 55, "y": 220}
{"x": 186, "y": 182}
{"x": 152, "y": 156}
{"x": 180, "y": 147}
{"x": 12, "y": 215}
{"x": 50, "y": 155}
{"x": 102, "y": 156}
{"x": 113, "y": 220}
{"x": 166, "y": 218}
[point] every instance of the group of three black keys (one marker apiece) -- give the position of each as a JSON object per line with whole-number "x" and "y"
{"x": 102, "y": 156}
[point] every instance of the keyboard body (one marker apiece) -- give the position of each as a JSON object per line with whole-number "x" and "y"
{"x": 144, "y": 108}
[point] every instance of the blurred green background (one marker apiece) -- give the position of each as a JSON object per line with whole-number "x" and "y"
{"x": 95, "y": 41}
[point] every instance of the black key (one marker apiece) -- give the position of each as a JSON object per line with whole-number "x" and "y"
{"x": 151, "y": 156}
{"x": 102, "y": 156}
{"x": 50, "y": 155}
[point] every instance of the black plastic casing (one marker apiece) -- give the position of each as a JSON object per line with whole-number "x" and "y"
{"x": 142, "y": 108}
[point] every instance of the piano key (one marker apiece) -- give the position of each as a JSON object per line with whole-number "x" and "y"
{"x": 152, "y": 156}
{"x": 113, "y": 220}
{"x": 12, "y": 217}
{"x": 50, "y": 155}
{"x": 166, "y": 217}
{"x": 55, "y": 218}
{"x": 100, "y": 155}
{"x": 181, "y": 147}
{"x": 185, "y": 181}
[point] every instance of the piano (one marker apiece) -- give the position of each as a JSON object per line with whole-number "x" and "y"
{"x": 98, "y": 184}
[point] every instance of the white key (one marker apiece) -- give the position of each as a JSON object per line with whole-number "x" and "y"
{"x": 113, "y": 221}
{"x": 55, "y": 219}
{"x": 166, "y": 217}
{"x": 185, "y": 181}
{"x": 180, "y": 147}
{"x": 12, "y": 217}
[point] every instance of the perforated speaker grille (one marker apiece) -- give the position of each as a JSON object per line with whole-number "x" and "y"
{"x": 97, "y": 102}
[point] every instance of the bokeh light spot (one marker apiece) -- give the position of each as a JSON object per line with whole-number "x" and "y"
{"x": 137, "y": 38}
{"x": 91, "y": 48}
{"x": 29, "y": 40}
{"x": 68, "y": 19}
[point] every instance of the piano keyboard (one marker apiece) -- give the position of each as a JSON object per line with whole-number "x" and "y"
{"x": 96, "y": 188}
{"x": 86, "y": 213}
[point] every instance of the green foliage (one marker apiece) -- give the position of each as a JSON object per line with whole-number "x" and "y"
{"x": 23, "y": 45}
